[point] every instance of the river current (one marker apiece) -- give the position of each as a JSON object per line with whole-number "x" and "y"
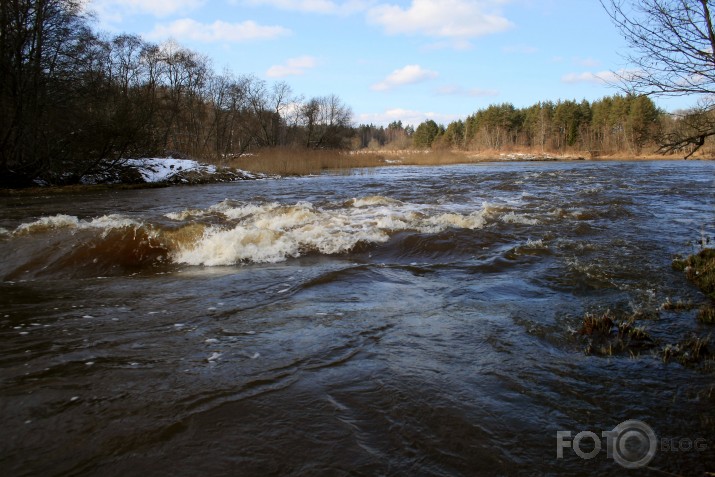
{"x": 394, "y": 321}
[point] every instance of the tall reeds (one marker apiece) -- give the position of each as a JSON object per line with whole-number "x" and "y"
{"x": 296, "y": 161}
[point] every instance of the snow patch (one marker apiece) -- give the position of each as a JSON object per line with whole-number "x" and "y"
{"x": 161, "y": 169}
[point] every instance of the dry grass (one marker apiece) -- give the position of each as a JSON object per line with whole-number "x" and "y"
{"x": 298, "y": 161}
{"x": 706, "y": 314}
{"x": 607, "y": 334}
{"x": 691, "y": 350}
{"x": 301, "y": 161}
{"x": 291, "y": 162}
{"x": 700, "y": 269}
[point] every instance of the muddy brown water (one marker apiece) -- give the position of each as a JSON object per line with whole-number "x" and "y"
{"x": 401, "y": 321}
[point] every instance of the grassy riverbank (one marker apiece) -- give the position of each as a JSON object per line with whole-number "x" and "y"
{"x": 299, "y": 162}
{"x": 287, "y": 161}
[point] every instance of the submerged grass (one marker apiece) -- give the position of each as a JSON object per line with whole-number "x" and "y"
{"x": 706, "y": 314}
{"x": 678, "y": 305}
{"x": 692, "y": 350}
{"x": 607, "y": 334}
{"x": 700, "y": 269}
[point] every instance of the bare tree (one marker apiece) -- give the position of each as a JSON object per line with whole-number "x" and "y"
{"x": 39, "y": 40}
{"x": 673, "y": 54}
{"x": 327, "y": 122}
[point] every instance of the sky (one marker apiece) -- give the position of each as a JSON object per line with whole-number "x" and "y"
{"x": 390, "y": 60}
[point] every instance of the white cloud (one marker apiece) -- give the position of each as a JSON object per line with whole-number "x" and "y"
{"x": 407, "y": 116}
{"x": 314, "y": 6}
{"x": 602, "y": 77}
{"x": 441, "y": 18}
{"x": 292, "y": 67}
{"x": 188, "y": 29}
{"x": 456, "y": 90}
{"x": 113, "y": 9}
{"x": 409, "y": 74}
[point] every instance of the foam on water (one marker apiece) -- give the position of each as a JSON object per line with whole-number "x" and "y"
{"x": 273, "y": 232}
{"x": 269, "y": 232}
{"x": 373, "y": 200}
{"x": 514, "y": 218}
{"x": 47, "y": 223}
{"x": 60, "y": 221}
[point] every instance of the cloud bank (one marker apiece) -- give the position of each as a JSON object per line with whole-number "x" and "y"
{"x": 457, "y": 19}
{"x": 292, "y": 67}
{"x": 218, "y": 31}
{"x": 409, "y": 74}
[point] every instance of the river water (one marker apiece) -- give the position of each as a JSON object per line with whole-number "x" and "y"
{"x": 396, "y": 321}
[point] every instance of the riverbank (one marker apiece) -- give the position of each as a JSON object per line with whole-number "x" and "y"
{"x": 279, "y": 162}
{"x": 145, "y": 174}
{"x": 286, "y": 161}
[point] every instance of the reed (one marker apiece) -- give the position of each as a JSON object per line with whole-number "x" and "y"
{"x": 607, "y": 334}
{"x": 700, "y": 269}
{"x": 296, "y": 161}
{"x": 691, "y": 350}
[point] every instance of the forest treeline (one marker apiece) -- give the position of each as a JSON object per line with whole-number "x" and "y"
{"x": 74, "y": 102}
{"x": 614, "y": 124}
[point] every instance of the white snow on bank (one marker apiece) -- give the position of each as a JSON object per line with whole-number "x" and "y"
{"x": 161, "y": 169}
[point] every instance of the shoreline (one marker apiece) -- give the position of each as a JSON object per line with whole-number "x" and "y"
{"x": 231, "y": 174}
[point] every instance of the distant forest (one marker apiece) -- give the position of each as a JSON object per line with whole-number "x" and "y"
{"x": 615, "y": 124}
{"x": 75, "y": 102}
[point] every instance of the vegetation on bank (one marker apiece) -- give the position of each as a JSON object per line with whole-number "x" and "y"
{"x": 609, "y": 334}
{"x": 700, "y": 269}
{"x": 76, "y": 103}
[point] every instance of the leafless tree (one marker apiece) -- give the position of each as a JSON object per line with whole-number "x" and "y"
{"x": 673, "y": 54}
{"x": 327, "y": 121}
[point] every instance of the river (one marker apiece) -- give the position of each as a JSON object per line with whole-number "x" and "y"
{"x": 392, "y": 321}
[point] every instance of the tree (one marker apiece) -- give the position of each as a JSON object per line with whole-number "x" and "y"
{"x": 425, "y": 134}
{"x": 673, "y": 43}
{"x": 454, "y": 135}
{"x": 41, "y": 51}
{"x": 495, "y": 127}
{"x": 642, "y": 121}
{"x": 537, "y": 124}
{"x": 327, "y": 122}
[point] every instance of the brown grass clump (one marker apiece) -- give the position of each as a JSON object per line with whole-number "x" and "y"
{"x": 607, "y": 334}
{"x": 678, "y": 305}
{"x": 296, "y": 161}
{"x": 287, "y": 161}
{"x": 692, "y": 350}
{"x": 706, "y": 314}
{"x": 700, "y": 269}
{"x": 597, "y": 324}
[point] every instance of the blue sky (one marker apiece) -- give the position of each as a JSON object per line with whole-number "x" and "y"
{"x": 407, "y": 60}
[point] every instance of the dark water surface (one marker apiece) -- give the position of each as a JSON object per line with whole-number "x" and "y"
{"x": 404, "y": 321}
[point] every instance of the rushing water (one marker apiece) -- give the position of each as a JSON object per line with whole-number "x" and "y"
{"x": 401, "y": 321}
